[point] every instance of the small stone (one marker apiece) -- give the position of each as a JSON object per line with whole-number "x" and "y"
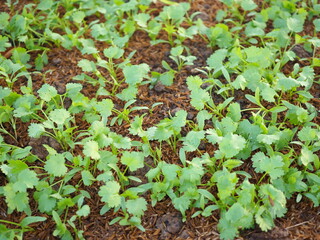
{"x": 190, "y": 116}
{"x": 184, "y": 235}
{"x": 174, "y": 111}
{"x": 170, "y": 222}
{"x": 39, "y": 150}
{"x": 203, "y": 16}
{"x": 205, "y": 85}
{"x": 301, "y": 52}
{"x": 67, "y": 103}
{"x": 202, "y": 145}
{"x": 56, "y": 61}
{"x": 61, "y": 87}
{"x": 159, "y": 87}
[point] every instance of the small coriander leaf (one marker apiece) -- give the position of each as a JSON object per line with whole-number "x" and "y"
{"x": 137, "y": 206}
{"x": 133, "y": 160}
{"x": 47, "y": 92}
{"x": 35, "y": 130}
{"x": 55, "y": 165}
{"x": 91, "y": 149}
{"x": 59, "y": 116}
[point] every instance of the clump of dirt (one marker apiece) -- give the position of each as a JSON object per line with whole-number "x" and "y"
{"x": 274, "y": 234}
{"x": 169, "y": 224}
{"x": 39, "y": 150}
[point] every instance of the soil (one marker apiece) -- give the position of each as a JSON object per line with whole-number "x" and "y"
{"x": 161, "y": 221}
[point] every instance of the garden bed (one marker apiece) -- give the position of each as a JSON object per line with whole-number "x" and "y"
{"x": 159, "y": 120}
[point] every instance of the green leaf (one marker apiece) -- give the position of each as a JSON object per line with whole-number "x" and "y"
{"x": 316, "y": 24}
{"x": 273, "y": 199}
{"x": 247, "y": 193}
{"x": 175, "y": 12}
{"x": 142, "y": 19}
{"x": 161, "y": 133}
{"x": 20, "y": 55}
{"x": 16, "y": 200}
{"x": 59, "y": 116}
{"x": 216, "y": 59}
{"x": 25, "y": 179}
{"x": 137, "y": 206}
{"x": 20, "y": 153}
{"x": 45, "y": 5}
{"x": 179, "y": 121}
{"x": 73, "y": 88}
{"x": 226, "y": 183}
{"x": 84, "y": 211}
{"x": 231, "y": 145}
{"x": 234, "y": 111}
{"x": 113, "y": 52}
{"x": 55, "y": 165}
{"x": 201, "y": 117}
{"x": 176, "y": 51}
{"x": 40, "y": 61}
{"x": 4, "y": 20}
{"x": 78, "y": 16}
{"x": 134, "y": 160}
{"x": 268, "y": 138}
{"x": 287, "y": 83}
{"x": 227, "y": 230}
{"x": 208, "y": 210}
{"x": 136, "y": 73}
{"x": 91, "y": 149}
{"x": 213, "y": 137}
{"x": 182, "y": 204}
{"x": 295, "y": 24}
{"x": 239, "y": 216}
{"x": 46, "y": 203}
{"x": 194, "y": 82}
{"x": 109, "y": 193}
{"x": 47, "y": 92}
{"x": 169, "y": 171}
{"x": 248, "y": 5}
{"x": 261, "y": 56}
{"x": 192, "y": 140}
{"x": 220, "y": 35}
{"x": 199, "y": 98}
{"x": 35, "y": 130}
{"x": 264, "y": 219}
{"x": 104, "y": 107}
{"x": 88, "y": 47}
{"x": 272, "y": 166}
{"x": 32, "y": 219}
{"x": 307, "y": 134}
{"x": 128, "y": 93}
{"x": 167, "y": 78}
{"x": 268, "y": 93}
{"x": 87, "y": 177}
{"x": 307, "y": 156}
{"x": 87, "y": 65}
{"x": 4, "y": 42}
{"x": 14, "y": 167}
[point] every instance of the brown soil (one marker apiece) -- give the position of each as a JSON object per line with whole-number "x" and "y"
{"x": 161, "y": 221}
